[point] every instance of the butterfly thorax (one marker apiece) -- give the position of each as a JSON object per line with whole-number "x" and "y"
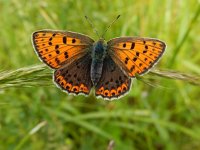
{"x": 98, "y": 54}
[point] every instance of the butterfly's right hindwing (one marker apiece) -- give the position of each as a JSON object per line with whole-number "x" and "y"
{"x": 113, "y": 82}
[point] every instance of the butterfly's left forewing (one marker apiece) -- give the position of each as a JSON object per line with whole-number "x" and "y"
{"x": 58, "y": 48}
{"x": 135, "y": 55}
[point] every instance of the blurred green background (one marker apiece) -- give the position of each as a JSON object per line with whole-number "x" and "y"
{"x": 165, "y": 116}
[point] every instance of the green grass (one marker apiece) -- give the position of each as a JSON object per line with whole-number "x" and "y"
{"x": 160, "y": 112}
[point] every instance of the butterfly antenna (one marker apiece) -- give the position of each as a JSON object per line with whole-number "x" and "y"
{"x": 94, "y": 29}
{"x": 110, "y": 26}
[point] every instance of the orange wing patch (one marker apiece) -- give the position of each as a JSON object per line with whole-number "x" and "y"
{"x": 114, "y": 92}
{"x": 55, "y": 48}
{"x": 135, "y": 55}
{"x": 69, "y": 86}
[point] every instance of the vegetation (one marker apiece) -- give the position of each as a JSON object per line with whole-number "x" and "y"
{"x": 160, "y": 112}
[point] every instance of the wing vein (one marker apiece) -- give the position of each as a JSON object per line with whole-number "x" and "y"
{"x": 122, "y": 64}
{"x": 61, "y": 54}
{"x": 133, "y": 50}
{"x": 132, "y": 61}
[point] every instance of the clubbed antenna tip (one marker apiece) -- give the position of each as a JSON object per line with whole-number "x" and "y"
{"x": 90, "y": 22}
{"x": 95, "y": 30}
{"x": 110, "y": 26}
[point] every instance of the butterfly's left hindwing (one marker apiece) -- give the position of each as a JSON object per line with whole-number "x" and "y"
{"x": 75, "y": 78}
{"x": 57, "y": 48}
{"x": 135, "y": 55}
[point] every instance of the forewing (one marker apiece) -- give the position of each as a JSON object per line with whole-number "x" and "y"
{"x": 113, "y": 82}
{"x": 75, "y": 78}
{"x": 57, "y": 48}
{"x": 135, "y": 55}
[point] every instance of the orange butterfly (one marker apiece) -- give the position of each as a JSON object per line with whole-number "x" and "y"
{"x": 80, "y": 63}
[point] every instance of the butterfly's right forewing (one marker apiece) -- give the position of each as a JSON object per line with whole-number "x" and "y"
{"x": 135, "y": 55}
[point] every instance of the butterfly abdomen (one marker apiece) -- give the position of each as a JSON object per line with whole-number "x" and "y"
{"x": 98, "y": 55}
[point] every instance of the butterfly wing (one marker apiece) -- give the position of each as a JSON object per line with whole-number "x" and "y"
{"x": 135, "y": 55}
{"x": 113, "y": 82}
{"x": 75, "y": 78}
{"x": 56, "y": 48}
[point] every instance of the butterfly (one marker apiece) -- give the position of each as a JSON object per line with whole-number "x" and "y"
{"x": 81, "y": 63}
